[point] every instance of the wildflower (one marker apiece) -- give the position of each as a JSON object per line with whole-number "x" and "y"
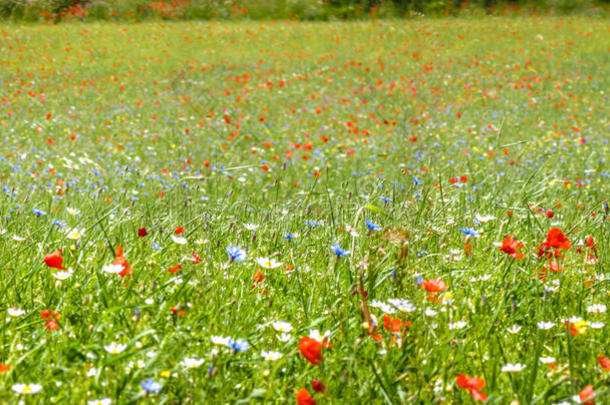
{"x": 433, "y": 285}
{"x": 75, "y": 234}
{"x": 291, "y": 236}
{"x": 239, "y": 345}
{"x": 175, "y": 268}
{"x": 178, "y": 230}
{"x": 469, "y": 232}
{"x": 4, "y": 368}
{"x": 115, "y": 348}
{"x": 311, "y": 349}
{"x": 73, "y": 211}
{"x": 54, "y": 260}
{"x": 112, "y": 268}
{"x": 596, "y": 308}
{"x": 15, "y": 312}
{"x": 604, "y": 362}
{"x": 51, "y": 318}
{"x": 120, "y": 260}
{"x": 545, "y": 325}
{"x": 548, "y": 360}
{"x": 103, "y": 401}
{"x": 372, "y": 226}
{"x": 555, "y": 239}
{"x": 473, "y": 385}
{"x": 457, "y": 325}
{"x": 268, "y": 263}
{"x": 338, "y": 251}
{"x": 151, "y": 386}
{"x": 281, "y": 326}
{"x": 284, "y": 337}
{"x": 484, "y": 218}
{"x": 315, "y": 334}
{"x": 142, "y": 232}
{"x": 271, "y": 355}
{"x": 192, "y": 362}
{"x": 585, "y": 395}
{"x": 62, "y": 275}
{"x": 236, "y": 253}
{"x": 303, "y": 398}
{"x": 26, "y": 388}
{"x": 513, "y": 368}
{"x": 510, "y": 246}
{"x": 394, "y": 325}
{"x": 318, "y": 386}
{"x": 220, "y": 340}
{"x": 179, "y": 240}
{"x": 514, "y": 329}
{"x": 250, "y": 227}
{"x": 39, "y": 213}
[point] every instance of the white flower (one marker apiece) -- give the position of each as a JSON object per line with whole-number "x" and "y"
{"x": 484, "y": 218}
{"x": 545, "y": 325}
{"x": 179, "y": 240}
{"x": 103, "y": 401}
{"x": 596, "y": 325}
{"x": 402, "y": 305}
{"x": 430, "y": 312}
{"x": 18, "y": 238}
{"x": 547, "y": 359}
{"x": 284, "y": 337}
{"x": 251, "y": 227}
{"x": 73, "y": 211}
{"x": 457, "y": 325}
{"x": 351, "y": 231}
{"x": 268, "y": 263}
{"x": 315, "y": 335}
{"x": 115, "y": 348}
{"x": 112, "y": 268}
{"x": 15, "y": 312}
{"x": 513, "y": 368}
{"x": 220, "y": 341}
{"x": 62, "y": 275}
{"x": 92, "y": 372}
{"x": 281, "y": 326}
{"x": 514, "y": 329}
{"x": 597, "y": 308}
{"x": 385, "y": 308}
{"x": 75, "y": 233}
{"x": 271, "y": 355}
{"x": 26, "y": 388}
{"x": 192, "y": 362}
{"x": 201, "y": 241}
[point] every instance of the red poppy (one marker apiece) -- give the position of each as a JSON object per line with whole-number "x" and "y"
{"x": 311, "y": 349}
{"x": 4, "y": 367}
{"x": 175, "y": 268}
{"x": 510, "y": 246}
{"x": 54, "y": 260}
{"x": 303, "y": 398}
{"x": 318, "y": 386}
{"x": 120, "y": 260}
{"x": 178, "y": 230}
{"x": 472, "y": 384}
{"x": 556, "y": 239}
{"x": 195, "y": 258}
{"x": 394, "y": 325}
{"x": 51, "y": 324}
{"x": 604, "y": 362}
{"x": 586, "y": 394}
{"x": 433, "y": 285}
{"x": 142, "y": 232}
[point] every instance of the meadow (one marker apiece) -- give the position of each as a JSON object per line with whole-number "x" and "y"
{"x": 381, "y": 211}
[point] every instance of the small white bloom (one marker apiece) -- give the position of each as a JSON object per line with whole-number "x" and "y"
{"x": 271, "y": 355}
{"x": 179, "y": 240}
{"x": 192, "y": 362}
{"x": 484, "y": 218}
{"x": 284, "y": 337}
{"x": 545, "y": 325}
{"x": 115, "y": 348}
{"x": 18, "y": 238}
{"x": 73, "y": 211}
{"x": 513, "y": 368}
{"x": 596, "y": 325}
{"x": 103, "y": 401}
{"x": 457, "y": 325}
{"x": 268, "y": 263}
{"x": 112, "y": 268}
{"x": 430, "y": 312}
{"x": 315, "y": 334}
{"x": 281, "y": 326}
{"x": 596, "y": 308}
{"x": 15, "y": 312}
{"x": 62, "y": 275}
{"x": 75, "y": 233}
{"x": 514, "y": 329}
{"x": 220, "y": 340}
{"x": 547, "y": 359}
{"x": 26, "y": 388}
{"x": 251, "y": 227}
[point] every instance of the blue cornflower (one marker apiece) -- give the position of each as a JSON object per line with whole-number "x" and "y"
{"x": 239, "y": 345}
{"x": 468, "y": 231}
{"x": 385, "y": 199}
{"x": 60, "y": 223}
{"x": 236, "y": 253}
{"x": 338, "y": 251}
{"x": 313, "y": 224}
{"x": 372, "y": 226}
{"x": 151, "y": 385}
{"x": 38, "y": 212}
{"x": 156, "y": 246}
{"x": 416, "y": 181}
{"x": 290, "y": 236}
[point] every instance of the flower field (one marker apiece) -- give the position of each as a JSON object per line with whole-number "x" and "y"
{"x": 382, "y": 211}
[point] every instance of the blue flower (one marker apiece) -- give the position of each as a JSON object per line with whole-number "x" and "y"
{"x": 290, "y": 236}
{"x": 372, "y": 226}
{"x": 385, "y": 199}
{"x": 313, "y": 224}
{"x": 416, "y": 181}
{"x": 236, "y": 253}
{"x": 38, "y": 212}
{"x": 239, "y": 345}
{"x": 467, "y": 231}
{"x": 338, "y": 251}
{"x": 151, "y": 385}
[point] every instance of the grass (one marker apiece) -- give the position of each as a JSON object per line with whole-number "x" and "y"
{"x": 305, "y": 130}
